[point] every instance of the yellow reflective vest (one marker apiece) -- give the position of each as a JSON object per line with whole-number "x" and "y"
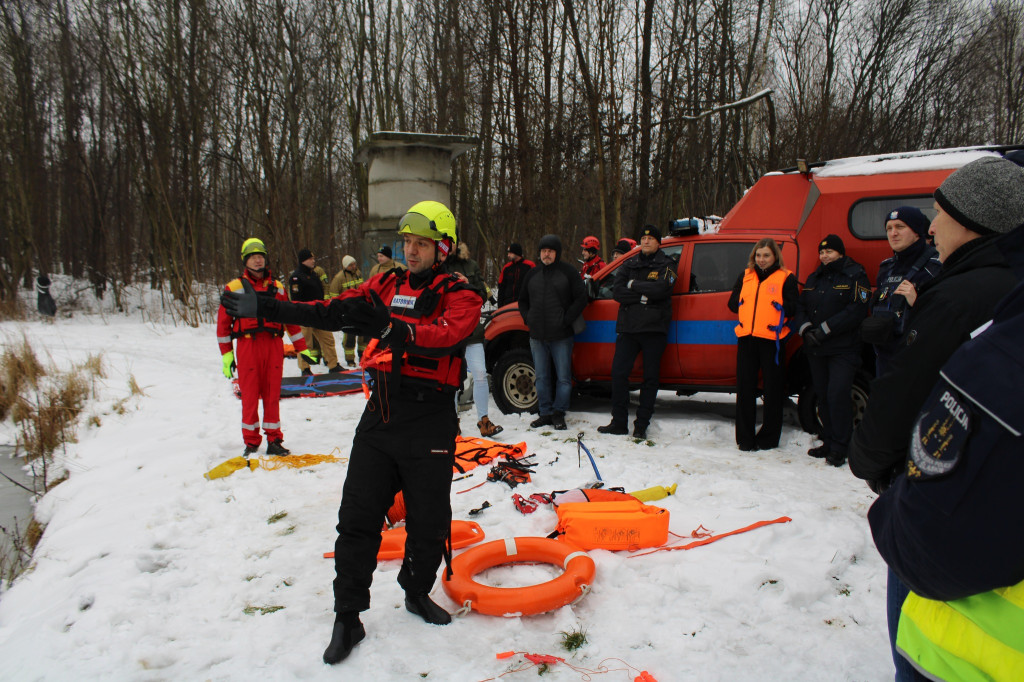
{"x": 977, "y": 638}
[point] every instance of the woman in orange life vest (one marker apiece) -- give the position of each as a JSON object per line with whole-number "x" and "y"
{"x": 765, "y": 297}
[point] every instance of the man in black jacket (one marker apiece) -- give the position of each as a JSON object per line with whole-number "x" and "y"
{"x": 979, "y": 201}
{"x": 308, "y": 283}
{"x": 552, "y": 298}
{"x": 510, "y": 281}
{"x": 643, "y": 288}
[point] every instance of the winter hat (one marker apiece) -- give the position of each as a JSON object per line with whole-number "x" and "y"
{"x": 347, "y": 261}
{"x": 515, "y": 248}
{"x": 985, "y": 196}
{"x": 305, "y": 254}
{"x": 915, "y": 220}
{"x": 833, "y": 242}
{"x": 385, "y": 249}
{"x": 651, "y": 231}
{"x": 551, "y": 241}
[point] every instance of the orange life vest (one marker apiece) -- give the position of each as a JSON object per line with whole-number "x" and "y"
{"x": 758, "y": 313}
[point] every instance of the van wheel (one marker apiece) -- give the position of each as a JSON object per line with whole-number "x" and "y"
{"x": 513, "y": 382}
{"x": 807, "y": 404}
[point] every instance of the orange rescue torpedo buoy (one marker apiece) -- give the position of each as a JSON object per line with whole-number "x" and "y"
{"x": 519, "y": 601}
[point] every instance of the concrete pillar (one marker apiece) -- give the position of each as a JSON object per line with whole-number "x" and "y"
{"x": 403, "y": 169}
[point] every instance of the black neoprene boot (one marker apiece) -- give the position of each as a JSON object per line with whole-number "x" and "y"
{"x": 348, "y": 631}
{"x": 425, "y": 608}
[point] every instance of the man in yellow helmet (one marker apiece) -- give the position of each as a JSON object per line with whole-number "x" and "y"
{"x": 405, "y": 440}
{"x": 259, "y": 351}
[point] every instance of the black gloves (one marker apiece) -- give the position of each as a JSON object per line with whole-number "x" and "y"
{"x": 243, "y": 303}
{"x": 814, "y": 337}
{"x": 374, "y": 319}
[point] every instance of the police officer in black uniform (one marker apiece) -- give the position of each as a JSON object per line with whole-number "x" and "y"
{"x": 914, "y": 261}
{"x": 643, "y": 288}
{"x": 832, "y": 306}
{"x": 950, "y": 527}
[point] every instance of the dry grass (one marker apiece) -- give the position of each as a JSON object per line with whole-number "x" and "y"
{"x": 19, "y": 371}
{"x": 45, "y": 405}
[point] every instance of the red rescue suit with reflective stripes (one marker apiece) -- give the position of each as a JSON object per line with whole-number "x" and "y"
{"x": 405, "y": 440}
{"x": 259, "y": 358}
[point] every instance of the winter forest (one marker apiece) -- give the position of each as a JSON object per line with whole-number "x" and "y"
{"x": 143, "y": 140}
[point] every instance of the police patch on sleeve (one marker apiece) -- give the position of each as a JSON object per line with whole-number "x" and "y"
{"x": 939, "y": 435}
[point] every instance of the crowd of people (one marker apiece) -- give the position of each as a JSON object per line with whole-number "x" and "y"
{"x": 939, "y": 441}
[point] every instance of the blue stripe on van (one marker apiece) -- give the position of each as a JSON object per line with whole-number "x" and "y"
{"x": 696, "y": 332}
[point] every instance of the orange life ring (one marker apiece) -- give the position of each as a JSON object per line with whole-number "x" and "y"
{"x": 520, "y": 601}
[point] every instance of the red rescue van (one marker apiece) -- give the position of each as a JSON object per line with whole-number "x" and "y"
{"x": 849, "y": 197}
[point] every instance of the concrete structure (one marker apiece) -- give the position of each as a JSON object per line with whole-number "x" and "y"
{"x": 402, "y": 169}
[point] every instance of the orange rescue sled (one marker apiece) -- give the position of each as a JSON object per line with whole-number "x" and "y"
{"x": 392, "y": 541}
{"x": 627, "y": 525}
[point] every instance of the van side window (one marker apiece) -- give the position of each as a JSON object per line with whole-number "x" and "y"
{"x": 716, "y": 266}
{"x": 867, "y": 216}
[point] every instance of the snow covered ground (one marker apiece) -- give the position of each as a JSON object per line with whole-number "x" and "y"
{"x": 147, "y": 571}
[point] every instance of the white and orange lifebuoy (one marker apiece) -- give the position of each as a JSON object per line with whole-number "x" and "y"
{"x": 573, "y": 584}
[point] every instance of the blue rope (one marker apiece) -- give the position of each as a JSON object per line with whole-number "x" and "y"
{"x": 579, "y": 444}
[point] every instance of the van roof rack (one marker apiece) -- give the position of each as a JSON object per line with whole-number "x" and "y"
{"x": 1000, "y": 148}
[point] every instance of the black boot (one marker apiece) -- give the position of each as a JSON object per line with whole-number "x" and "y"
{"x": 425, "y": 608}
{"x": 277, "y": 448}
{"x": 819, "y": 452}
{"x": 639, "y": 430}
{"x": 543, "y": 420}
{"x": 558, "y": 421}
{"x": 615, "y": 428}
{"x": 348, "y": 631}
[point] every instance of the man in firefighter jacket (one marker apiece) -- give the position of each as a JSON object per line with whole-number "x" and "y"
{"x": 591, "y": 257}
{"x": 405, "y": 440}
{"x": 309, "y": 283}
{"x": 259, "y": 351}
{"x": 952, "y": 527}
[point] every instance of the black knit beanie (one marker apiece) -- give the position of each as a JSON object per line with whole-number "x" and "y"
{"x": 834, "y": 242}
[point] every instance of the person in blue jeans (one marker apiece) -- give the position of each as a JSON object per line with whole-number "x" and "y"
{"x": 552, "y": 298}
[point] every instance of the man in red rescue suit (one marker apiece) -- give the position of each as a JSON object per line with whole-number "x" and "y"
{"x": 259, "y": 352}
{"x": 405, "y": 440}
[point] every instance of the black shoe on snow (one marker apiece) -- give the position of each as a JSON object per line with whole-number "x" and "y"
{"x": 836, "y": 459}
{"x": 336, "y": 368}
{"x": 558, "y": 421}
{"x": 307, "y": 372}
{"x": 276, "y": 448}
{"x": 639, "y": 430}
{"x": 344, "y": 637}
{"x": 250, "y": 450}
{"x": 819, "y": 452}
{"x": 543, "y": 420}
{"x": 614, "y": 428}
{"x": 426, "y": 609}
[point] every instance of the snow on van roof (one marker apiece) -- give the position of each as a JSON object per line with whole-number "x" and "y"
{"x": 933, "y": 159}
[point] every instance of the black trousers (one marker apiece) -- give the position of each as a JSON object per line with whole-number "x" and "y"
{"x": 627, "y": 347}
{"x": 413, "y": 451}
{"x": 756, "y": 355}
{"x": 833, "y": 380}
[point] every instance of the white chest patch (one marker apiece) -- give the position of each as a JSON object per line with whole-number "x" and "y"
{"x": 402, "y": 301}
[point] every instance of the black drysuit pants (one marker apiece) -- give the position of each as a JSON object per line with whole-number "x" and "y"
{"x": 413, "y": 451}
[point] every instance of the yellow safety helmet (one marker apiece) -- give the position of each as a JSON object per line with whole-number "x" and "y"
{"x": 251, "y": 246}
{"x": 433, "y": 220}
